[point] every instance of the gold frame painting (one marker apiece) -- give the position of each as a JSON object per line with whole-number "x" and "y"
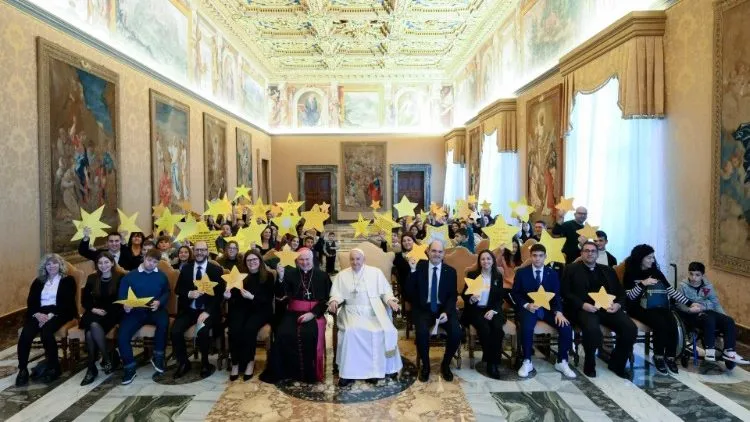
{"x": 364, "y": 168}
{"x": 244, "y": 142}
{"x": 545, "y": 161}
{"x": 215, "y": 183}
{"x": 170, "y": 151}
{"x": 79, "y": 156}
{"x": 730, "y": 213}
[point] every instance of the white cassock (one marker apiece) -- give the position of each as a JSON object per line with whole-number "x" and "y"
{"x": 367, "y": 340}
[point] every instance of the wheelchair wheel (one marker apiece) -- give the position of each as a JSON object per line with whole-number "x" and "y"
{"x": 681, "y": 333}
{"x": 684, "y": 360}
{"x": 730, "y": 365}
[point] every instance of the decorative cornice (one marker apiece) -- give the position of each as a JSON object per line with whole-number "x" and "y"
{"x": 634, "y": 24}
{"x": 459, "y": 132}
{"x": 503, "y": 104}
{"x": 539, "y": 79}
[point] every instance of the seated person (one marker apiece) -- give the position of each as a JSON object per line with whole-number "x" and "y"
{"x": 50, "y": 305}
{"x": 465, "y": 237}
{"x": 539, "y": 227}
{"x": 231, "y": 256}
{"x": 146, "y": 281}
{"x": 605, "y": 258}
{"x": 649, "y": 301}
{"x": 485, "y": 311}
{"x": 100, "y": 313}
{"x": 711, "y": 316}
{"x": 164, "y": 245}
{"x": 367, "y": 346}
{"x": 401, "y": 265}
{"x": 184, "y": 257}
{"x": 221, "y": 241}
{"x": 528, "y": 280}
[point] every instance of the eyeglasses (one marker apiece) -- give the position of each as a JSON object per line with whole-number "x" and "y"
{"x": 589, "y": 251}
{"x": 200, "y": 249}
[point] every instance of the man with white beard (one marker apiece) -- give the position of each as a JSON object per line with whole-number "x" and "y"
{"x": 368, "y": 342}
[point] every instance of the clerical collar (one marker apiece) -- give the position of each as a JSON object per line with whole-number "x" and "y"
{"x": 590, "y": 266}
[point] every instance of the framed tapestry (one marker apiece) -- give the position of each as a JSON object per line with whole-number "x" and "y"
{"x": 170, "y": 151}
{"x": 214, "y": 157}
{"x": 78, "y": 144}
{"x": 364, "y": 169}
{"x": 730, "y": 216}
{"x": 545, "y": 151}
{"x": 244, "y": 159}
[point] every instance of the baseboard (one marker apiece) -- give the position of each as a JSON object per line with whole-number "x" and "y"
{"x": 12, "y": 315}
{"x": 743, "y": 334}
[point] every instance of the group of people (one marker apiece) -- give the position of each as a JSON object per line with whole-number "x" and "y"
{"x": 293, "y": 301}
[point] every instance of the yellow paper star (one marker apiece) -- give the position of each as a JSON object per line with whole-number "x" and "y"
{"x": 287, "y": 257}
{"x": 127, "y": 224}
{"x": 554, "y": 248}
{"x": 276, "y": 210}
{"x": 434, "y": 207}
{"x": 361, "y": 227}
{"x": 133, "y": 301}
{"x": 223, "y": 206}
{"x": 462, "y": 210}
{"x": 439, "y": 213}
{"x": 418, "y": 252}
{"x": 325, "y": 207}
{"x": 93, "y": 222}
{"x": 521, "y": 209}
{"x": 500, "y": 234}
{"x": 436, "y": 233}
{"x": 290, "y": 206}
{"x": 375, "y": 205}
{"x": 588, "y": 231}
{"x": 474, "y": 286}
{"x": 158, "y": 210}
{"x": 242, "y": 192}
{"x": 314, "y": 220}
{"x": 259, "y": 210}
{"x": 566, "y": 204}
{"x": 602, "y": 299}
{"x": 93, "y": 234}
{"x": 205, "y": 285}
{"x": 471, "y": 200}
{"x": 486, "y": 205}
{"x": 234, "y": 279}
{"x": 249, "y": 235}
{"x": 167, "y": 221}
{"x": 287, "y": 223}
{"x": 185, "y": 205}
{"x": 405, "y": 207}
{"x": 541, "y": 297}
{"x": 423, "y": 215}
{"x": 384, "y": 222}
{"x": 187, "y": 228}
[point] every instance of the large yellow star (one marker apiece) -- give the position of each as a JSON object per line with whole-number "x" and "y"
{"x": 474, "y": 286}
{"x": 249, "y": 235}
{"x": 384, "y": 222}
{"x": 291, "y": 206}
{"x": 486, "y": 205}
{"x": 287, "y": 223}
{"x": 588, "y": 231}
{"x": 434, "y": 207}
{"x": 127, "y": 224}
{"x": 361, "y": 227}
{"x": 471, "y": 200}
{"x": 259, "y": 210}
{"x": 439, "y": 213}
{"x": 554, "y": 248}
{"x": 315, "y": 220}
{"x": 375, "y": 205}
{"x": 462, "y": 210}
{"x": 167, "y": 221}
{"x": 423, "y": 215}
{"x": 287, "y": 257}
{"x": 436, "y": 233}
{"x": 276, "y": 210}
{"x": 602, "y": 299}
{"x": 93, "y": 222}
{"x": 133, "y": 301}
{"x": 541, "y": 297}
{"x": 205, "y": 285}
{"x": 405, "y": 207}
{"x": 158, "y": 210}
{"x": 234, "y": 279}
{"x": 325, "y": 207}
{"x": 418, "y": 252}
{"x": 565, "y": 205}
{"x": 242, "y": 192}
{"x": 223, "y": 207}
{"x": 521, "y": 209}
{"x": 500, "y": 234}
{"x": 187, "y": 228}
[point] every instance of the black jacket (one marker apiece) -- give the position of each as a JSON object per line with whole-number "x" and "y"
{"x": 211, "y": 304}
{"x": 417, "y": 288}
{"x": 402, "y": 270}
{"x": 126, "y": 260}
{"x": 66, "y": 307}
{"x": 494, "y": 301}
{"x": 578, "y": 282}
{"x": 569, "y": 230}
{"x": 262, "y": 301}
{"x": 104, "y": 300}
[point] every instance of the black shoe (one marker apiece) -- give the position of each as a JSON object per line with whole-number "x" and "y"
{"x": 393, "y": 376}
{"x": 493, "y": 371}
{"x": 445, "y": 371}
{"x": 107, "y": 367}
{"x": 158, "y": 364}
{"x": 345, "y": 382}
{"x": 234, "y": 377}
{"x": 621, "y": 372}
{"x": 246, "y": 377}
{"x": 22, "y": 379}
{"x": 589, "y": 369}
{"x": 672, "y": 366}
{"x": 424, "y": 374}
{"x": 205, "y": 370}
{"x": 90, "y": 376}
{"x": 372, "y": 381}
{"x": 128, "y": 376}
{"x": 661, "y": 366}
{"x": 182, "y": 369}
{"x": 51, "y": 375}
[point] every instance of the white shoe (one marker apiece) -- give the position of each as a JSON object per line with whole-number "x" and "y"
{"x": 565, "y": 369}
{"x": 734, "y": 357}
{"x": 710, "y": 355}
{"x": 526, "y": 368}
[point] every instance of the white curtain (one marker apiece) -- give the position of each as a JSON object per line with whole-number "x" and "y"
{"x": 614, "y": 167}
{"x": 498, "y": 177}
{"x": 455, "y": 181}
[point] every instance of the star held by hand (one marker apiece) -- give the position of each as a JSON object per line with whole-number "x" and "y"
{"x": 205, "y": 285}
{"x": 242, "y": 192}
{"x": 127, "y": 224}
{"x": 588, "y": 231}
{"x": 521, "y": 209}
{"x": 554, "y": 248}
{"x": 234, "y": 279}
{"x": 93, "y": 222}
{"x": 541, "y": 298}
{"x": 405, "y": 207}
{"x": 602, "y": 299}
{"x": 287, "y": 257}
{"x": 565, "y": 204}
{"x": 418, "y": 252}
{"x": 133, "y": 301}
{"x": 474, "y": 286}
{"x": 315, "y": 220}
{"x": 167, "y": 221}
{"x": 361, "y": 227}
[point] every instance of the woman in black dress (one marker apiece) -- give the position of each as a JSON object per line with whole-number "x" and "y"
{"x": 100, "y": 313}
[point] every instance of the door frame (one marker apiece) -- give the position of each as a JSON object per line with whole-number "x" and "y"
{"x": 426, "y": 169}
{"x": 333, "y": 171}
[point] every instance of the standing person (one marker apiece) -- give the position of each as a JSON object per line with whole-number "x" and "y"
{"x": 196, "y": 307}
{"x": 432, "y": 290}
{"x": 605, "y": 258}
{"x": 100, "y": 314}
{"x": 569, "y": 230}
{"x": 122, "y": 255}
{"x": 51, "y": 303}
{"x": 331, "y": 247}
{"x": 298, "y": 350}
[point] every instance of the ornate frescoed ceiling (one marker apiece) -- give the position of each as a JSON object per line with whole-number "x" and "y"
{"x": 324, "y": 40}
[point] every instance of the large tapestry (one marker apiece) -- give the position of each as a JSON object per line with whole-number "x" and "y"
{"x": 78, "y": 143}
{"x": 170, "y": 150}
{"x": 214, "y": 156}
{"x": 364, "y": 169}
{"x": 244, "y": 158}
{"x": 730, "y": 232}
{"x": 545, "y": 151}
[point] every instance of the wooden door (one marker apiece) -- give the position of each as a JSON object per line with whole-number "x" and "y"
{"x": 411, "y": 184}
{"x": 317, "y": 188}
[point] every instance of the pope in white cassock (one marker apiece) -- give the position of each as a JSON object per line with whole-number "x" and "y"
{"x": 367, "y": 340}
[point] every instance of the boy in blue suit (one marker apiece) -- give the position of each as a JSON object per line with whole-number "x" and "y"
{"x": 528, "y": 280}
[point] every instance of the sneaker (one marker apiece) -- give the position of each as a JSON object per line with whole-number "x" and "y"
{"x": 526, "y": 368}
{"x": 661, "y": 366}
{"x": 565, "y": 369}
{"x": 158, "y": 363}
{"x": 672, "y": 366}
{"x": 732, "y": 356}
{"x": 710, "y": 355}
{"x": 128, "y": 376}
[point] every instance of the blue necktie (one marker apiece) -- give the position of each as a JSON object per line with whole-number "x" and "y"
{"x": 538, "y": 278}
{"x": 433, "y": 291}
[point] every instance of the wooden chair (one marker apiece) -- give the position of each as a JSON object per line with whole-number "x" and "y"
{"x": 526, "y": 249}
{"x": 482, "y": 245}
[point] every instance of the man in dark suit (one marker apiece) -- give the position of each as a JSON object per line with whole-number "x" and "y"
{"x": 587, "y": 276}
{"x": 123, "y": 256}
{"x": 528, "y": 280}
{"x": 194, "y": 306}
{"x": 432, "y": 289}
{"x": 569, "y": 230}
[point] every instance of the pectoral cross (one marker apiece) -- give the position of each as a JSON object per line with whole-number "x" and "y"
{"x": 308, "y": 295}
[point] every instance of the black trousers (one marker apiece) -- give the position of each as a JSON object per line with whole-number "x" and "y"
{"x": 330, "y": 263}
{"x": 619, "y": 322}
{"x": 490, "y": 333}
{"x": 423, "y": 321}
{"x": 664, "y": 328}
{"x": 186, "y": 319}
{"x": 243, "y": 333}
{"x": 47, "y": 335}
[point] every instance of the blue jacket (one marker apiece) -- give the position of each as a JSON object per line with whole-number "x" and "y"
{"x": 153, "y": 284}
{"x": 525, "y": 283}
{"x": 469, "y": 243}
{"x": 705, "y": 294}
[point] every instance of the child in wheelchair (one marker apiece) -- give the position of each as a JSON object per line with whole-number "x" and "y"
{"x": 711, "y": 318}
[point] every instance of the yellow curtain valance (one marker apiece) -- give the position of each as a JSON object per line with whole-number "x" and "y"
{"x": 455, "y": 141}
{"x": 631, "y": 50}
{"x": 501, "y": 117}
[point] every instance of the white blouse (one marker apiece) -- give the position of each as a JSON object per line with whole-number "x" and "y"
{"x": 49, "y": 292}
